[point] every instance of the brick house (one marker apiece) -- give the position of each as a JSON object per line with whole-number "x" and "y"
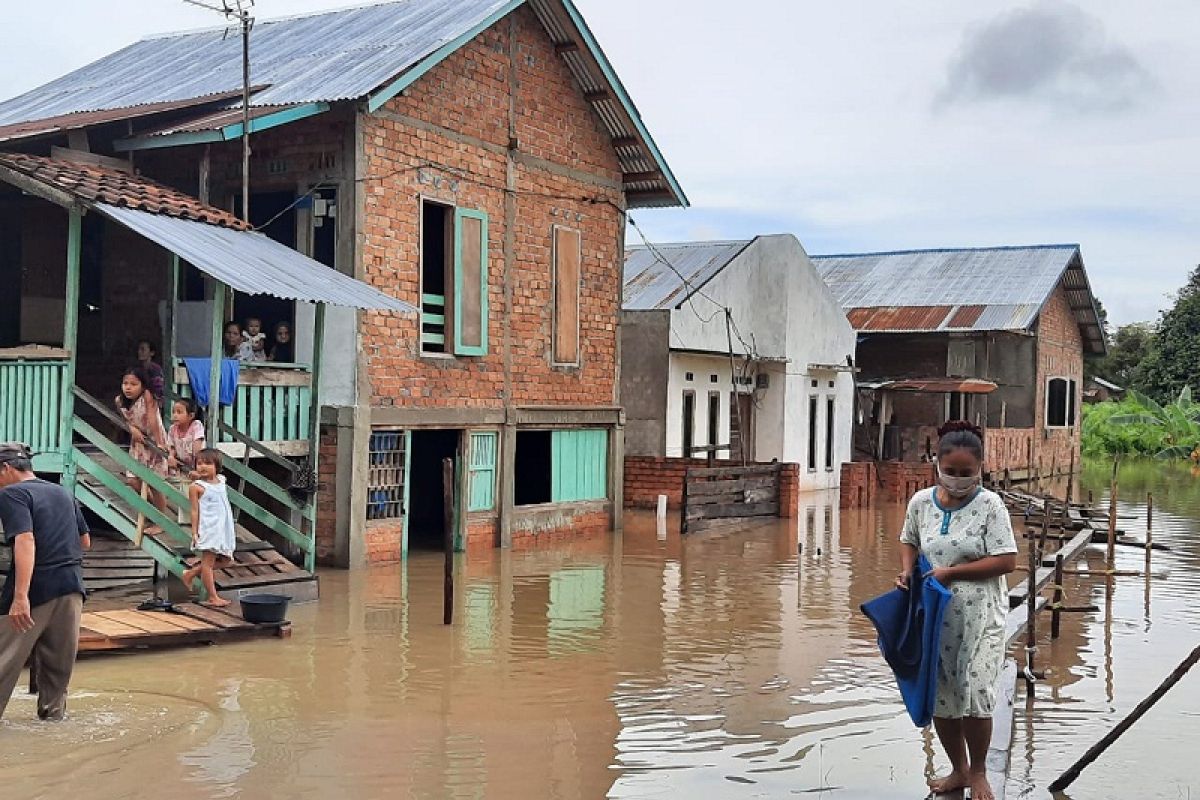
{"x": 473, "y": 158}
{"x": 994, "y": 335}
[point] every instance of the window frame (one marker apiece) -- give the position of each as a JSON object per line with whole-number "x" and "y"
{"x": 474, "y": 470}
{"x": 814, "y": 410}
{"x": 830, "y": 419}
{"x": 1066, "y": 409}
{"x": 688, "y": 430}
{"x": 554, "y": 229}
{"x": 398, "y": 490}
{"x": 458, "y": 348}
{"x": 447, "y": 279}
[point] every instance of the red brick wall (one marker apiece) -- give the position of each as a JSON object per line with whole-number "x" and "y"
{"x": 789, "y": 491}
{"x": 327, "y": 495}
{"x": 646, "y": 477}
{"x": 561, "y": 526}
{"x": 469, "y": 94}
{"x": 901, "y": 480}
{"x": 483, "y": 535}
{"x": 859, "y": 484}
{"x": 385, "y": 541}
{"x": 1060, "y": 354}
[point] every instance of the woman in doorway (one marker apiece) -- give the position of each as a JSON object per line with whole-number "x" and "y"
{"x": 146, "y": 355}
{"x": 282, "y": 351}
{"x": 965, "y": 532}
{"x": 232, "y": 339}
{"x": 137, "y": 405}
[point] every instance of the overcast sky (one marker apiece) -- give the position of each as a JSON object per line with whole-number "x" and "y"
{"x": 863, "y": 125}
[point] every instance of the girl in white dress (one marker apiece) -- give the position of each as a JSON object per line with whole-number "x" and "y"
{"x": 212, "y": 524}
{"x": 965, "y": 532}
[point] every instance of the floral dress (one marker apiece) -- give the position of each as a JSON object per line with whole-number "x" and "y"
{"x": 144, "y": 416}
{"x": 185, "y": 444}
{"x": 973, "y": 631}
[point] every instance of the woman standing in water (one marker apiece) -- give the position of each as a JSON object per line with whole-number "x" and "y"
{"x": 965, "y": 533}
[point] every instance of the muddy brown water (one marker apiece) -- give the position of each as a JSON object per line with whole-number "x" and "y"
{"x": 730, "y": 665}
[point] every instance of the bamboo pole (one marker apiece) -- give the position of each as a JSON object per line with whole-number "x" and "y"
{"x": 1056, "y": 610}
{"x": 1112, "y": 515}
{"x": 1149, "y": 529}
{"x": 1068, "y": 777}
{"x": 1031, "y": 617}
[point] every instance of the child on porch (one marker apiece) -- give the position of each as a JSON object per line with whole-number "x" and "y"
{"x": 185, "y": 437}
{"x": 254, "y": 342}
{"x": 212, "y": 524}
{"x": 139, "y": 408}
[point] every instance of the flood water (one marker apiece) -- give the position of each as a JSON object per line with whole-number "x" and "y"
{"x": 730, "y": 665}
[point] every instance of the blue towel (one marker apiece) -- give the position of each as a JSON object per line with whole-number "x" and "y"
{"x": 198, "y": 377}
{"x": 910, "y": 632}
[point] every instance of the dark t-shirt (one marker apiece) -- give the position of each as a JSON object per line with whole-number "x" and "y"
{"x": 57, "y": 523}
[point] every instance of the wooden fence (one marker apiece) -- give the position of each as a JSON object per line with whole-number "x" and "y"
{"x": 719, "y": 495}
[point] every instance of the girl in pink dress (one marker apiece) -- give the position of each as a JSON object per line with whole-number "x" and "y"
{"x": 137, "y": 405}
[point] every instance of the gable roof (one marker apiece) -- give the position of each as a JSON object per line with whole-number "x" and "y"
{"x": 667, "y": 275}
{"x": 371, "y": 52}
{"x": 969, "y": 289}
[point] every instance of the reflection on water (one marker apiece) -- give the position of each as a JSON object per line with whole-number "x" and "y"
{"x": 727, "y": 664}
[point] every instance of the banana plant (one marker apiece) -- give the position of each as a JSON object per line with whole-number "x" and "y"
{"x": 1178, "y": 422}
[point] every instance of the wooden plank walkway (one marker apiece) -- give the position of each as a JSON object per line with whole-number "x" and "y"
{"x": 187, "y": 624}
{"x": 1019, "y": 594}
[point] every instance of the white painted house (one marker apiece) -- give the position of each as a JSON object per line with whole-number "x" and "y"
{"x": 688, "y": 307}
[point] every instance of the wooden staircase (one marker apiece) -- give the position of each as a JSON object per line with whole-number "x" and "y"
{"x": 258, "y": 565}
{"x": 98, "y": 467}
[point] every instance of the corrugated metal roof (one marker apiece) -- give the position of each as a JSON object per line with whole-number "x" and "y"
{"x": 74, "y": 121}
{"x": 651, "y": 283}
{"x": 1004, "y": 288}
{"x": 335, "y": 55}
{"x": 252, "y": 262}
{"x": 345, "y": 55}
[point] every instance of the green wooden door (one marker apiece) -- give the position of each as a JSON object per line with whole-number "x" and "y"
{"x": 481, "y": 478}
{"x": 579, "y": 463}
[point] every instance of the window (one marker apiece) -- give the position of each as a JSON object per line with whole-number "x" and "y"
{"x": 1060, "y": 402}
{"x": 689, "y": 422}
{"x": 580, "y": 465}
{"x": 812, "y": 434}
{"x": 561, "y": 466}
{"x": 568, "y": 258}
{"x": 533, "y": 468}
{"x": 387, "y": 465}
{"x": 454, "y": 301}
{"x": 958, "y": 406}
{"x": 714, "y": 418}
{"x": 481, "y": 477}
{"x": 712, "y": 378}
{"x": 829, "y": 416}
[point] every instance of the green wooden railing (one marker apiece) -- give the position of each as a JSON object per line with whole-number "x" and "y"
{"x": 113, "y": 481}
{"x": 272, "y": 404}
{"x": 433, "y": 322}
{"x": 31, "y": 403}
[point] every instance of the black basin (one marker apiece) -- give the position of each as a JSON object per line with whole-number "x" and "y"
{"x": 264, "y": 608}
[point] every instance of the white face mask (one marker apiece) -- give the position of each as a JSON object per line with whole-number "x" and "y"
{"x": 956, "y": 486}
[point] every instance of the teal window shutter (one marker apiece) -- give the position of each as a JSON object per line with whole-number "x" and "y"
{"x": 579, "y": 464}
{"x": 470, "y": 282}
{"x": 481, "y": 488}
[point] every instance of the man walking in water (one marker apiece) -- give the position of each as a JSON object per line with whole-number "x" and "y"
{"x": 43, "y": 597}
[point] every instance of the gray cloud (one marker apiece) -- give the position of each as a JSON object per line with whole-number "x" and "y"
{"x": 1052, "y": 52}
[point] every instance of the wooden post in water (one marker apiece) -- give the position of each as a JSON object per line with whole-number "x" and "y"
{"x": 1031, "y": 614}
{"x": 1112, "y": 516}
{"x": 448, "y": 539}
{"x": 1149, "y": 530}
{"x": 1068, "y": 777}
{"x": 1056, "y": 610}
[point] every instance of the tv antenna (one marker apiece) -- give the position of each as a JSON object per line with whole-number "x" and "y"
{"x": 239, "y": 11}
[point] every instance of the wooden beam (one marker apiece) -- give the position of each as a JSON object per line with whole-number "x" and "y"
{"x": 70, "y": 344}
{"x": 598, "y": 96}
{"x": 216, "y": 354}
{"x": 566, "y": 47}
{"x": 314, "y": 432}
{"x": 626, "y": 141}
{"x": 630, "y": 178}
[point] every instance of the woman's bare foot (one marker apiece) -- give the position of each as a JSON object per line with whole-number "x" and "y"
{"x": 950, "y": 783}
{"x": 980, "y": 788}
{"x": 216, "y": 601}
